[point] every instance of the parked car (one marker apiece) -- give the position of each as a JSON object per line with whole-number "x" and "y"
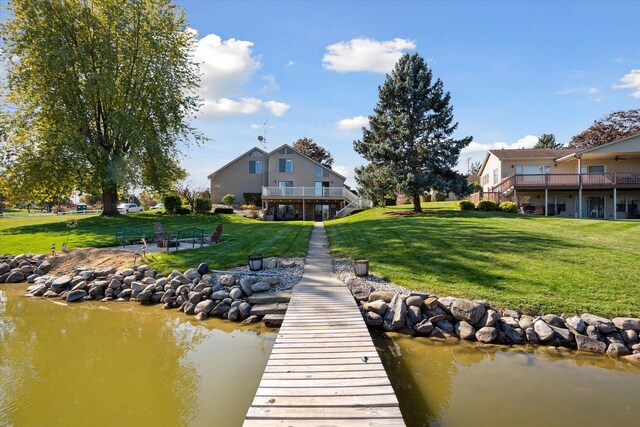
{"x": 158, "y": 206}
{"x": 129, "y": 207}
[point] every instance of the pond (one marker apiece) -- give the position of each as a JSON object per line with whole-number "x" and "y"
{"x": 125, "y": 364}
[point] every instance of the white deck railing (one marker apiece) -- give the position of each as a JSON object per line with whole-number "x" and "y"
{"x": 302, "y": 192}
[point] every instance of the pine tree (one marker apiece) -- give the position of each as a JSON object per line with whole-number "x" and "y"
{"x": 548, "y": 140}
{"x": 411, "y": 133}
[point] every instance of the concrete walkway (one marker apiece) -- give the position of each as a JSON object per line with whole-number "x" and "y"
{"x": 323, "y": 369}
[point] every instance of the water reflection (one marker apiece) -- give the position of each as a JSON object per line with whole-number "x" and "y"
{"x": 123, "y": 364}
{"x": 446, "y": 383}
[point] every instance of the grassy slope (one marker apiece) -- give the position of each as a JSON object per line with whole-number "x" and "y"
{"x": 240, "y": 237}
{"x": 529, "y": 262}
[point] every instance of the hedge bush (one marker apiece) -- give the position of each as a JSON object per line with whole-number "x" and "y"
{"x": 487, "y": 205}
{"x": 252, "y": 198}
{"x": 466, "y": 205}
{"x": 228, "y": 199}
{"x": 389, "y": 201}
{"x": 511, "y": 207}
{"x": 203, "y": 205}
{"x": 223, "y": 210}
{"x": 182, "y": 211}
{"x": 172, "y": 203}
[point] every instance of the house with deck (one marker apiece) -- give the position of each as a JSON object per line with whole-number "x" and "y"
{"x": 600, "y": 182}
{"x": 287, "y": 184}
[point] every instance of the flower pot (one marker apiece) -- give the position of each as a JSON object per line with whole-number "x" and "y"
{"x": 361, "y": 267}
{"x": 255, "y": 262}
{"x": 271, "y": 263}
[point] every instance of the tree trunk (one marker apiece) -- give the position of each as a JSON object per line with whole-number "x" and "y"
{"x": 416, "y": 203}
{"x": 109, "y": 199}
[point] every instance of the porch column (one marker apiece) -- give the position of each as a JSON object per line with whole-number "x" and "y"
{"x": 579, "y": 187}
{"x": 615, "y": 203}
{"x": 303, "y": 218}
{"x": 546, "y": 202}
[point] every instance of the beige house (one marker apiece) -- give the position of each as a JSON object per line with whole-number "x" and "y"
{"x": 288, "y": 184}
{"x": 601, "y": 182}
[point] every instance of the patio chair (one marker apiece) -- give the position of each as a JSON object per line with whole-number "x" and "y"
{"x": 163, "y": 239}
{"x": 214, "y": 238}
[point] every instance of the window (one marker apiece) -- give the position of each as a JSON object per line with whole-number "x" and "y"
{"x": 285, "y": 150}
{"x": 495, "y": 176}
{"x": 255, "y": 153}
{"x": 286, "y": 187}
{"x": 561, "y": 204}
{"x": 593, "y": 169}
{"x": 255, "y": 166}
{"x": 320, "y": 171}
{"x": 286, "y": 165}
{"x": 319, "y": 187}
{"x": 532, "y": 169}
{"x": 621, "y": 204}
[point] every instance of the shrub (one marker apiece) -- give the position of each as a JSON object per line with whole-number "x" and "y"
{"x": 172, "y": 203}
{"x": 466, "y": 205}
{"x": 58, "y": 208}
{"x": 426, "y": 197}
{"x": 203, "y": 205}
{"x": 223, "y": 210}
{"x": 248, "y": 207}
{"x": 252, "y": 198}
{"x": 182, "y": 211}
{"x": 389, "y": 202}
{"x": 511, "y": 207}
{"x": 228, "y": 199}
{"x": 487, "y": 205}
{"x": 441, "y": 197}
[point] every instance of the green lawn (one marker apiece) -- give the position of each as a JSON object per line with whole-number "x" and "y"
{"x": 240, "y": 237}
{"x": 537, "y": 264}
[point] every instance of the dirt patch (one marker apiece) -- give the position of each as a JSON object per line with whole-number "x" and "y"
{"x": 64, "y": 263}
{"x": 411, "y": 213}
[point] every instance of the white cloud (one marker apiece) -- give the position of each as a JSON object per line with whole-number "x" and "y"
{"x": 226, "y": 66}
{"x": 217, "y": 108}
{"x": 525, "y": 142}
{"x": 355, "y": 123}
{"x": 631, "y": 81}
{"x": 593, "y": 92}
{"x": 270, "y": 83}
{"x": 342, "y": 170}
{"x": 364, "y": 54}
{"x": 290, "y": 63}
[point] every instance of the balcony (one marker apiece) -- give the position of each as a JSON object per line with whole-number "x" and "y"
{"x": 569, "y": 181}
{"x": 291, "y": 193}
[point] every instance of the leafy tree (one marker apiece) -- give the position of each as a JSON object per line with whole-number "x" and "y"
{"x": 411, "y": 133}
{"x": 172, "y": 203}
{"x": 310, "y": 149}
{"x": 616, "y": 125}
{"x": 474, "y": 169}
{"x": 189, "y": 193}
{"x": 100, "y": 93}
{"x": 548, "y": 140}
{"x": 375, "y": 183}
{"x": 203, "y": 205}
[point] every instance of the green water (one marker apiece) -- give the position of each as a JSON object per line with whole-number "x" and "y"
{"x": 129, "y": 365}
{"x": 123, "y": 364}
{"x": 448, "y": 384}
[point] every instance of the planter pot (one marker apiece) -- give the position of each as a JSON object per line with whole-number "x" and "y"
{"x": 255, "y": 262}
{"x": 361, "y": 267}
{"x": 271, "y": 263}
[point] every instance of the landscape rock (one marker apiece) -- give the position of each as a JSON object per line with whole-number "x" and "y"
{"x": 553, "y": 320}
{"x": 202, "y": 316}
{"x": 576, "y": 324}
{"x": 531, "y": 336}
{"x": 220, "y": 309}
{"x": 603, "y": 324}
{"x": 206, "y": 306}
{"x": 414, "y": 301}
{"x": 245, "y": 310}
{"x": 234, "y": 314}
{"x": 564, "y": 334}
{"x": 489, "y": 318}
{"x": 395, "y": 316}
{"x": 219, "y": 295}
{"x": 235, "y": 293}
{"x": 585, "y": 343}
{"x": 445, "y": 325}
{"x": 378, "y": 306}
{"x": 544, "y": 331}
{"x": 633, "y": 358}
{"x": 77, "y": 295}
{"x": 629, "y": 336}
{"x": 465, "y": 331}
{"x": 630, "y": 323}
{"x": 469, "y": 311}
{"x": 372, "y": 318}
{"x": 487, "y": 334}
{"x": 251, "y": 319}
{"x": 227, "y": 280}
{"x": 431, "y": 303}
{"x": 15, "y": 276}
{"x": 192, "y": 274}
{"x": 4, "y": 268}
{"x": 260, "y": 287}
{"x": 617, "y": 350}
{"x": 385, "y": 296}
{"x": 414, "y": 314}
{"x": 424, "y": 328}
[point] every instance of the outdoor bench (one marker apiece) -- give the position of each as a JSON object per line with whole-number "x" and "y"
{"x": 192, "y": 234}
{"x": 128, "y": 235}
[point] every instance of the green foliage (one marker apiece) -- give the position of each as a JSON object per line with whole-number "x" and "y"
{"x": 203, "y": 205}
{"x": 548, "y": 140}
{"x": 390, "y": 201}
{"x": 252, "y": 198}
{"x": 466, "y": 205}
{"x": 172, "y": 203}
{"x": 93, "y": 106}
{"x": 411, "y": 134}
{"x": 511, "y": 207}
{"x": 616, "y": 125}
{"x": 223, "y": 210}
{"x": 182, "y": 211}
{"x": 487, "y": 205}
{"x": 310, "y": 149}
{"x": 375, "y": 183}
{"x": 426, "y": 197}
{"x": 513, "y": 261}
{"x": 228, "y": 199}
{"x": 440, "y": 197}
{"x": 474, "y": 169}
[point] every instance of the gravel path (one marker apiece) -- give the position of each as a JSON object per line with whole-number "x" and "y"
{"x": 342, "y": 267}
{"x": 288, "y": 276}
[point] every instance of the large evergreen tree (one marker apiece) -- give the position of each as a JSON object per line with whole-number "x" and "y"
{"x": 100, "y": 93}
{"x": 411, "y": 133}
{"x": 548, "y": 140}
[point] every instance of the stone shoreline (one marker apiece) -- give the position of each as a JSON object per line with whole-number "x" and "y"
{"x": 198, "y": 291}
{"x": 396, "y": 309}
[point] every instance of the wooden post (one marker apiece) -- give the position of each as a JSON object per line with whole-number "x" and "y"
{"x": 546, "y": 202}
{"x": 615, "y": 203}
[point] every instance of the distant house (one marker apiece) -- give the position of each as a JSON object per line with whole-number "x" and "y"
{"x": 601, "y": 182}
{"x": 288, "y": 184}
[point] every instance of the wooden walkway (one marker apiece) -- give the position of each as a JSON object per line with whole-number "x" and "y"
{"x": 323, "y": 369}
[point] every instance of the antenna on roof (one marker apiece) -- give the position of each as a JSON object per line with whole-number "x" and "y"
{"x": 263, "y": 138}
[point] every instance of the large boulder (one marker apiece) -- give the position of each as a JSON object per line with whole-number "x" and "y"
{"x": 260, "y": 287}
{"x": 465, "y": 331}
{"x": 395, "y": 316}
{"x": 565, "y": 335}
{"x": 76, "y": 295}
{"x": 414, "y": 314}
{"x": 414, "y": 301}
{"x": 576, "y": 323}
{"x": 552, "y": 319}
{"x": 220, "y": 309}
{"x": 246, "y": 283}
{"x": 234, "y": 314}
{"x": 206, "y": 306}
{"x": 219, "y": 295}
{"x": 372, "y": 318}
{"x": 245, "y": 310}
{"x": 424, "y": 328}
{"x": 585, "y": 343}
{"x": 4, "y": 268}
{"x": 192, "y": 274}
{"x": 602, "y": 324}
{"x": 378, "y": 306}
{"x": 235, "y": 293}
{"x": 633, "y": 358}
{"x": 617, "y": 350}
{"x": 489, "y": 318}
{"x": 630, "y": 323}
{"x": 487, "y": 334}
{"x": 386, "y": 296}
{"x": 15, "y": 276}
{"x": 544, "y": 331}
{"x": 469, "y": 311}
{"x": 227, "y": 280}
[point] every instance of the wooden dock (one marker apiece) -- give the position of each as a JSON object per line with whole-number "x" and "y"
{"x": 323, "y": 369}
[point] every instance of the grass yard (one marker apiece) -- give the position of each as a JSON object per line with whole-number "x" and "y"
{"x": 537, "y": 264}
{"x": 240, "y": 237}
